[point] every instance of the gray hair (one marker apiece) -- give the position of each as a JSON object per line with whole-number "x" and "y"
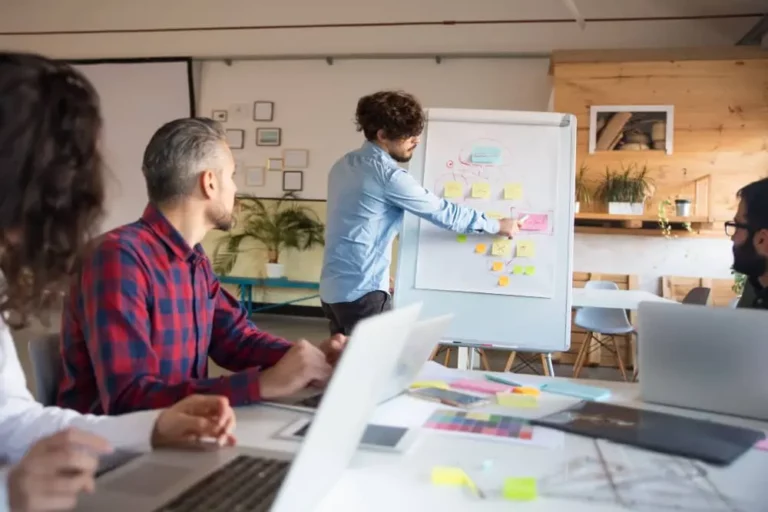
{"x": 177, "y": 153}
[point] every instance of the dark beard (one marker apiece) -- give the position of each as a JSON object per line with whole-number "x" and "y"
{"x": 747, "y": 261}
{"x": 401, "y": 158}
{"x": 222, "y": 221}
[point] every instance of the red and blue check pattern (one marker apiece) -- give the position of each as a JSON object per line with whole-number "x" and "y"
{"x": 142, "y": 319}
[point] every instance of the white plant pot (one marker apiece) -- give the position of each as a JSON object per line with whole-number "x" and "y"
{"x": 576, "y": 207}
{"x": 275, "y": 270}
{"x": 626, "y": 208}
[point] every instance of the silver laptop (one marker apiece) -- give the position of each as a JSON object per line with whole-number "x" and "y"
{"x": 422, "y": 340}
{"x": 246, "y": 479}
{"x": 706, "y": 358}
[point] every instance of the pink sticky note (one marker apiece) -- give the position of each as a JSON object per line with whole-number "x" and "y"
{"x": 481, "y": 386}
{"x": 761, "y": 445}
{"x": 535, "y": 222}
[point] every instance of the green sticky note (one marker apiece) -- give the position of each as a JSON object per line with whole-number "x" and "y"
{"x": 461, "y": 238}
{"x": 520, "y": 489}
{"x": 530, "y": 270}
{"x": 518, "y": 270}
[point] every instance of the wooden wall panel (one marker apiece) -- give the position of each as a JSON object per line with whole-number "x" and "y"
{"x": 720, "y": 129}
{"x": 676, "y": 288}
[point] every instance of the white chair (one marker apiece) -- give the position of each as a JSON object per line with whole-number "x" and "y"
{"x": 46, "y": 368}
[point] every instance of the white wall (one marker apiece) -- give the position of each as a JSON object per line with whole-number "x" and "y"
{"x": 315, "y": 103}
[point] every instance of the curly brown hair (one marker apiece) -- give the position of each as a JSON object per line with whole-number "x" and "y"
{"x": 398, "y": 114}
{"x": 51, "y": 183}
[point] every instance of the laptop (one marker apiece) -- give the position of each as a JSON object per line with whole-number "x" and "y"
{"x": 240, "y": 478}
{"x": 706, "y": 358}
{"x": 422, "y": 340}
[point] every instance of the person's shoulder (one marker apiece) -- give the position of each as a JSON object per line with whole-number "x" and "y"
{"x": 127, "y": 243}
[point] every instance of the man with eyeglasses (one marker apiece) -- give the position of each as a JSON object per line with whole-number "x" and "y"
{"x": 749, "y": 232}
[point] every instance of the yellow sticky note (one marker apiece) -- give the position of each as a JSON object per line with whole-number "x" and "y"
{"x": 501, "y": 247}
{"x": 453, "y": 189}
{"x": 480, "y": 416}
{"x": 520, "y": 489}
{"x": 429, "y": 384}
{"x": 526, "y": 249}
{"x": 513, "y": 191}
{"x": 513, "y": 400}
{"x": 504, "y": 281}
{"x": 480, "y": 248}
{"x": 494, "y": 215}
{"x": 518, "y": 270}
{"x": 497, "y": 266}
{"x": 461, "y": 238}
{"x": 481, "y": 190}
{"x": 525, "y": 390}
{"x": 443, "y": 475}
{"x": 530, "y": 270}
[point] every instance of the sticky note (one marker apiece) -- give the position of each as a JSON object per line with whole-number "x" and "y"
{"x": 481, "y": 190}
{"x": 526, "y": 390}
{"x": 439, "y": 384}
{"x": 516, "y": 400}
{"x": 520, "y": 489}
{"x": 526, "y": 249}
{"x": 453, "y": 189}
{"x": 480, "y": 248}
{"x": 504, "y": 281}
{"x": 485, "y": 155}
{"x": 497, "y": 266}
{"x": 461, "y": 238}
{"x": 513, "y": 191}
{"x": 494, "y": 215}
{"x": 481, "y": 386}
{"x": 442, "y": 475}
{"x": 501, "y": 247}
{"x": 761, "y": 445}
{"x": 530, "y": 270}
{"x": 518, "y": 270}
{"x": 538, "y": 222}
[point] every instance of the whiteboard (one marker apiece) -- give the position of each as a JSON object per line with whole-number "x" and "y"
{"x": 511, "y": 294}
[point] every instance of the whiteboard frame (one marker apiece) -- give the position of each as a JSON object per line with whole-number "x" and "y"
{"x": 534, "y": 324}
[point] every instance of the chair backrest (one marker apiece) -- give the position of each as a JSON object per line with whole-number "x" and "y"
{"x": 734, "y": 302}
{"x": 595, "y": 319}
{"x": 698, "y": 296}
{"x": 46, "y": 367}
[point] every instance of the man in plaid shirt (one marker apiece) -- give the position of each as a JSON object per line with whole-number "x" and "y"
{"x": 147, "y": 310}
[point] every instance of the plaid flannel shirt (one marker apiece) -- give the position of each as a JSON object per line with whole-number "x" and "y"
{"x": 142, "y": 319}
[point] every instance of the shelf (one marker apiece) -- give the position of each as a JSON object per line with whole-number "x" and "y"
{"x": 676, "y": 233}
{"x": 645, "y": 225}
{"x": 643, "y": 218}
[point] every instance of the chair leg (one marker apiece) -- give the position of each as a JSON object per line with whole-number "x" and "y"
{"x": 510, "y": 361}
{"x": 544, "y": 365}
{"x": 447, "y": 357}
{"x": 582, "y": 355}
{"x": 434, "y": 352}
{"x": 484, "y": 360}
{"x": 619, "y": 358}
{"x": 635, "y": 362}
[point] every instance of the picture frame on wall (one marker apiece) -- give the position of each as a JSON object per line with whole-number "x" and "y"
{"x": 220, "y": 116}
{"x": 255, "y": 176}
{"x": 275, "y": 164}
{"x": 263, "y": 110}
{"x": 293, "y": 181}
{"x": 295, "y": 158}
{"x": 236, "y": 139}
{"x": 268, "y": 136}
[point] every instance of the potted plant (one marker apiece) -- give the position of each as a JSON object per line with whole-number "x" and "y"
{"x": 284, "y": 225}
{"x": 582, "y": 193}
{"x": 738, "y": 282}
{"x": 664, "y": 224}
{"x": 682, "y": 207}
{"x": 625, "y": 191}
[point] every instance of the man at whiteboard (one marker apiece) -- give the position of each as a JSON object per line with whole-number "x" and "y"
{"x": 368, "y": 194}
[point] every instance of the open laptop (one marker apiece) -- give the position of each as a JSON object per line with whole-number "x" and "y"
{"x": 240, "y": 478}
{"x": 706, "y": 358}
{"x": 422, "y": 340}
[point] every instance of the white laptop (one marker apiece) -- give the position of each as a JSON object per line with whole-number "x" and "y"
{"x": 706, "y": 358}
{"x": 422, "y": 340}
{"x": 241, "y": 478}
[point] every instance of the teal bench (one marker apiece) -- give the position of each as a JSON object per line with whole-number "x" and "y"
{"x": 246, "y": 285}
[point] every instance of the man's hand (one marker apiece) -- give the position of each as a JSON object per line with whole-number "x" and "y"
{"x": 333, "y": 347}
{"x": 509, "y": 227}
{"x": 55, "y": 471}
{"x": 302, "y": 365}
{"x": 195, "y": 417}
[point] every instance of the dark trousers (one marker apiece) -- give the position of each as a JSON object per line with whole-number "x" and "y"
{"x": 343, "y": 316}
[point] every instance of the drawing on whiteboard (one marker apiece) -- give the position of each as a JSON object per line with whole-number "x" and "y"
{"x": 505, "y": 171}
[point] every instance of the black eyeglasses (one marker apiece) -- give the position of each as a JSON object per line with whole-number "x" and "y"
{"x": 732, "y": 226}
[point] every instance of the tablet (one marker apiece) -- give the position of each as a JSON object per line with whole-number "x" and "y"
{"x": 382, "y": 438}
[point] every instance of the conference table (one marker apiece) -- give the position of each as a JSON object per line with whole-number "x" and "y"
{"x": 579, "y": 475}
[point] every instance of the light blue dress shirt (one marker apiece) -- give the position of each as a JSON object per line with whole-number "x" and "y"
{"x": 368, "y": 193}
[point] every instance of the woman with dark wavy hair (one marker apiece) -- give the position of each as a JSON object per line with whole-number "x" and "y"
{"x": 51, "y": 197}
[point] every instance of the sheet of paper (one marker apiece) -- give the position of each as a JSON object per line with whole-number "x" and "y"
{"x": 501, "y": 247}
{"x": 513, "y": 191}
{"x": 497, "y": 266}
{"x": 481, "y": 249}
{"x": 481, "y": 190}
{"x": 453, "y": 189}
{"x": 526, "y": 249}
{"x": 439, "y": 384}
{"x": 461, "y": 238}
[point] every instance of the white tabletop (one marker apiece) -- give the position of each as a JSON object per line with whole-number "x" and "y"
{"x": 616, "y": 299}
{"x": 568, "y": 476}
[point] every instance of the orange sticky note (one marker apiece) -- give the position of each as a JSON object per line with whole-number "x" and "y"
{"x": 453, "y": 189}
{"x": 481, "y": 190}
{"x": 523, "y": 390}
{"x": 513, "y": 191}
{"x": 480, "y": 248}
{"x": 504, "y": 281}
{"x": 526, "y": 249}
{"x": 497, "y": 266}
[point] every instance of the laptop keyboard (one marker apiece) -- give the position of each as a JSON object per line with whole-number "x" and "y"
{"x": 245, "y": 484}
